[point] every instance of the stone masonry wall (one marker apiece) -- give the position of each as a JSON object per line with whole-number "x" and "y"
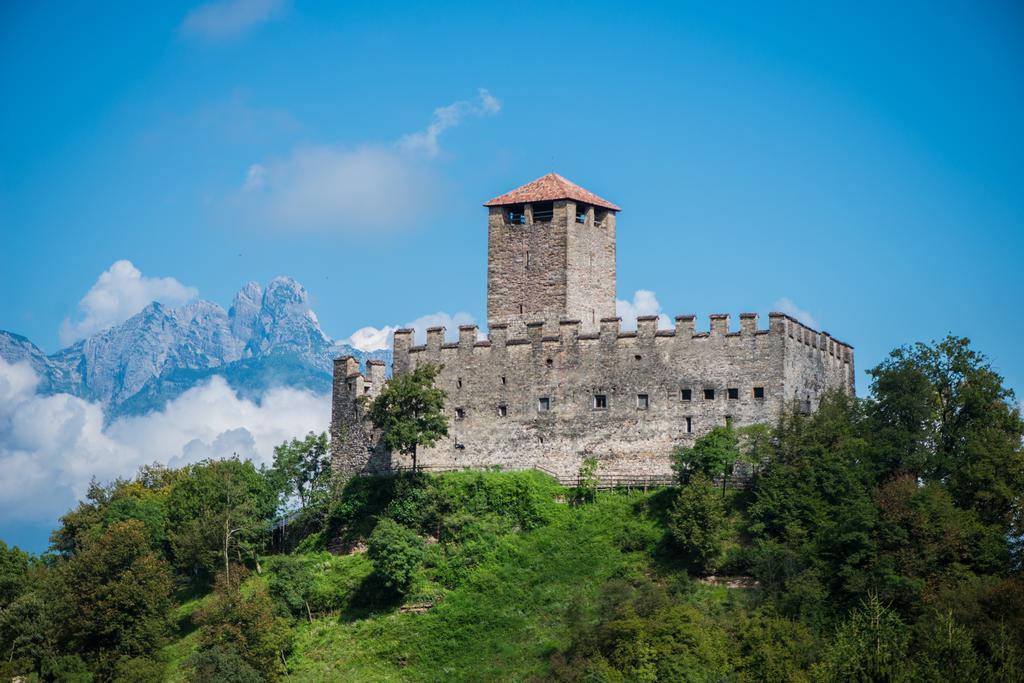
{"x": 495, "y": 389}
{"x": 547, "y": 271}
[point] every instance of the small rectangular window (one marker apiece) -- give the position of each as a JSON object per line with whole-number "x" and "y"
{"x": 686, "y": 394}
{"x": 733, "y": 393}
{"x": 502, "y": 381}
{"x": 709, "y": 394}
{"x": 600, "y": 401}
{"x": 460, "y": 413}
{"x": 599, "y": 215}
{"x": 758, "y": 392}
{"x": 689, "y": 425}
{"x": 544, "y": 404}
{"x": 581, "y": 213}
{"x": 458, "y": 383}
{"x": 642, "y": 401}
{"x": 502, "y": 411}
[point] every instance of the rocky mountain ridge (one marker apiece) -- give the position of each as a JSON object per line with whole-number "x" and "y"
{"x": 269, "y": 337}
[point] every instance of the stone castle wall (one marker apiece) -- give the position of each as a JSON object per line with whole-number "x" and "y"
{"x": 495, "y": 390}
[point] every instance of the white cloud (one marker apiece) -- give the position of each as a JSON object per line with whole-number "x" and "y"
{"x": 51, "y": 446}
{"x": 224, "y": 19}
{"x": 644, "y": 303}
{"x": 446, "y": 117}
{"x": 364, "y": 189}
{"x": 376, "y": 338}
{"x": 120, "y": 292}
{"x": 785, "y": 305}
{"x": 329, "y": 189}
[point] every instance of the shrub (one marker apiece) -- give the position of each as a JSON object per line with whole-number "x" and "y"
{"x": 397, "y": 552}
{"x": 697, "y": 521}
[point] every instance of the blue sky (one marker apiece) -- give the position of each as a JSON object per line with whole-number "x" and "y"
{"x": 860, "y": 161}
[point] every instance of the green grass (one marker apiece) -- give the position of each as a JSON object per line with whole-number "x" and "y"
{"x": 506, "y": 619}
{"x": 502, "y": 586}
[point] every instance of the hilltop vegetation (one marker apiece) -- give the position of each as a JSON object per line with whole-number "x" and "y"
{"x": 878, "y": 540}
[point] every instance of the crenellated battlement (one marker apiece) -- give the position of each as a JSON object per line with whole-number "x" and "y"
{"x": 570, "y": 333}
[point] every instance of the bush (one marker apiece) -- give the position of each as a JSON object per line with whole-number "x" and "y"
{"x": 697, "y": 522}
{"x": 397, "y": 552}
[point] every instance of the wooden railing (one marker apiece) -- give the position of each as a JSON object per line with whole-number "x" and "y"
{"x": 605, "y": 481}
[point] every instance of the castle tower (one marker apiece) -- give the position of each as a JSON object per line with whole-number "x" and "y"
{"x": 550, "y": 256}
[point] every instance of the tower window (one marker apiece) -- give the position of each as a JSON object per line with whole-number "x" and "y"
{"x": 543, "y": 212}
{"x": 458, "y": 383}
{"x": 549, "y": 362}
{"x": 502, "y": 411}
{"x": 599, "y": 216}
{"x": 543, "y": 404}
{"x": 642, "y": 401}
{"x": 686, "y": 394}
{"x": 689, "y": 425}
{"x": 600, "y": 401}
{"x": 460, "y": 413}
{"x": 502, "y": 380}
{"x": 758, "y": 392}
{"x": 520, "y": 309}
{"x": 516, "y": 215}
{"x": 733, "y": 393}
{"x": 581, "y": 213}
{"x": 709, "y": 394}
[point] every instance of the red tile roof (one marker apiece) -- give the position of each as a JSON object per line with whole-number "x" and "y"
{"x": 548, "y": 188}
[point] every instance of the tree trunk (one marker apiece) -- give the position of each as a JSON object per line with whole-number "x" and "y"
{"x": 227, "y": 540}
{"x": 309, "y": 613}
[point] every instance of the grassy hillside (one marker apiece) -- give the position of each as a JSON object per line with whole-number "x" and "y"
{"x": 493, "y": 600}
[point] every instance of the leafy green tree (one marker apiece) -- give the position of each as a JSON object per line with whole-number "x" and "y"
{"x": 116, "y": 594}
{"x": 712, "y": 455}
{"x": 397, "y": 552}
{"x": 942, "y": 413}
{"x": 291, "y": 583}
{"x": 302, "y": 469}
{"x": 14, "y": 566}
{"x": 698, "y": 523}
{"x": 241, "y": 624}
{"x": 587, "y": 481}
{"x": 219, "y": 512}
{"x": 409, "y": 411}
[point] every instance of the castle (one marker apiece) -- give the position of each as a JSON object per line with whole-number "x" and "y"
{"x": 557, "y": 379}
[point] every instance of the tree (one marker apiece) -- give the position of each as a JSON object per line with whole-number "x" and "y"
{"x": 697, "y": 522}
{"x": 587, "y": 481}
{"x": 869, "y": 647}
{"x": 409, "y": 411}
{"x": 712, "y": 455}
{"x": 117, "y": 595}
{"x": 397, "y": 552}
{"x": 219, "y": 511}
{"x": 238, "y": 624}
{"x": 943, "y": 414}
{"x": 303, "y": 468}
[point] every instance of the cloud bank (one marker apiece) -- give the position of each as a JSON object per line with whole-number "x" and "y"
{"x": 51, "y": 446}
{"x": 785, "y": 305}
{"x": 361, "y": 190}
{"x": 225, "y": 19}
{"x": 377, "y": 338}
{"x": 644, "y": 303}
{"x": 120, "y": 292}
